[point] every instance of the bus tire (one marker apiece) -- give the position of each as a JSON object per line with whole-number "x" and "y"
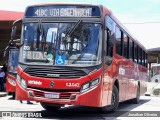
{"x": 114, "y": 102}
{"x": 9, "y": 93}
{"x": 13, "y": 95}
{"x": 49, "y": 107}
{"x": 136, "y": 100}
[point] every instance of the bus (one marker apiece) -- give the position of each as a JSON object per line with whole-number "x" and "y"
{"x": 155, "y": 73}
{"x": 11, "y": 55}
{"x": 78, "y": 54}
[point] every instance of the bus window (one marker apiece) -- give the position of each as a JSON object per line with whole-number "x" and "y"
{"x": 135, "y": 53}
{"x": 118, "y": 41}
{"x": 125, "y": 46}
{"x": 143, "y": 58}
{"x": 139, "y": 55}
{"x": 13, "y": 60}
{"x": 146, "y": 60}
{"x": 110, "y": 24}
{"x": 130, "y": 49}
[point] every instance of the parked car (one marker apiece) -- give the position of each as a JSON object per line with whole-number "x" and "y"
{"x": 156, "y": 78}
{"x": 156, "y": 90}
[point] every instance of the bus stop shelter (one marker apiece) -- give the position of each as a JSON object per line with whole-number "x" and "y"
{"x": 6, "y": 20}
{"x": 154, "y": 55}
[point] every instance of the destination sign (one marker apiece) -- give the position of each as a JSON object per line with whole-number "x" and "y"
{"x": 63, "y": 11}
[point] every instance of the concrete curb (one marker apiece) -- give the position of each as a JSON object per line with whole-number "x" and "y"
{"x": 3, "y": 94}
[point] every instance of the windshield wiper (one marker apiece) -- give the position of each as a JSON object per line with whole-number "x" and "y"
{"x": 69, "y": 33}
{"x": 41, "y": 32}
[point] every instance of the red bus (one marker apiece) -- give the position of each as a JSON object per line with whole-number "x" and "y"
{"x": 78, "y": 54}
{"x": 11, "y": 54}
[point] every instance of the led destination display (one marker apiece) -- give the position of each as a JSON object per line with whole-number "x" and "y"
{"x": 63, "y": 11}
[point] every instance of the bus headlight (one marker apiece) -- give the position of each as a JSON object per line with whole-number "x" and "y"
{"x": 22, "y": 82}
{"x": 94, "y": 82}
{"x": 85, "y": 87}
{"x": 89, "y": 85}
{"x": 12, "y": 82}
{"x": 18, "y": 79}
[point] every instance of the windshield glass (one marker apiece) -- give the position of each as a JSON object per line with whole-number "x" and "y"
{"x": 13, "y": 61}
{"x": 54, "y": 44}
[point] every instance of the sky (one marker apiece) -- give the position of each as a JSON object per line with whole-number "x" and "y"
{"x": 140, "y": 17}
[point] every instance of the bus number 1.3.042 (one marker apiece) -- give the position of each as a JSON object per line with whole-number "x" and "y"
{"x": 72, "y": 84}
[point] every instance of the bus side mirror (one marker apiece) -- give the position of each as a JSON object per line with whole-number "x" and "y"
{"x": 108, "y": 60}
{"x": 13, "y": 33}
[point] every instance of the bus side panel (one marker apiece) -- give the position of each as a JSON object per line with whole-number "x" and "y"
{"x": 92, "y": 98}
{"x": 110, "y": 75}
{"x": 120, "y": 75}
{"x": 106, "y": 90}
{"x": 132, "y": 81}
{"x": 143, "y": 80}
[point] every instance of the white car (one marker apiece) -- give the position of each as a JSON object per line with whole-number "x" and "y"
{"x": 156, "y": 90}
{"x": 156, "y": 78}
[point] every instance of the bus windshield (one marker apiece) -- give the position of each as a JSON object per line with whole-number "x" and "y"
{"x": 13, "y": 61}
{"x": 66, "y": 44}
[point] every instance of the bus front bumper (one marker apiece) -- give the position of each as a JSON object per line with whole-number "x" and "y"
{"x": 88, "y": 98}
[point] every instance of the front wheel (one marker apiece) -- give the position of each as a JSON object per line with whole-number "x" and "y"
{"x": 50, "y": 107}
{"x": 114, "y": 102}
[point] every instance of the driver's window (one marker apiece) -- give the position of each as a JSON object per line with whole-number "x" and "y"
{"x": 110, "y": 26}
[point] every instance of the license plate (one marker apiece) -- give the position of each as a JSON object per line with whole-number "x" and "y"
{"x": 52, "y": 95}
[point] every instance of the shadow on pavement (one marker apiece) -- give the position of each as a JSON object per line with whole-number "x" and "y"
{"x": 79, "y": 112}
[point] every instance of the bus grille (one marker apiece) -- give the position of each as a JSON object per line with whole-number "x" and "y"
{"x": 55, "y": 73}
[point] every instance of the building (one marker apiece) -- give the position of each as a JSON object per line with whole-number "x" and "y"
{"x": 6, "y": 20}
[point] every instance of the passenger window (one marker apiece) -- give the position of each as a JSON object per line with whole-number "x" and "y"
{"x": 130, "y": 49}
{"x": 140, "y": 56}
{"x": 146, "y": 58}
{"x": 135, "y": 53}
{"x": 143, "y": 58}
{"x": 118, "y": 41}
{"x": 125, "y": 46}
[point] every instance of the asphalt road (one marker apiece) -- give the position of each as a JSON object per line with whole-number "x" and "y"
{"x": 148, "y": 108}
